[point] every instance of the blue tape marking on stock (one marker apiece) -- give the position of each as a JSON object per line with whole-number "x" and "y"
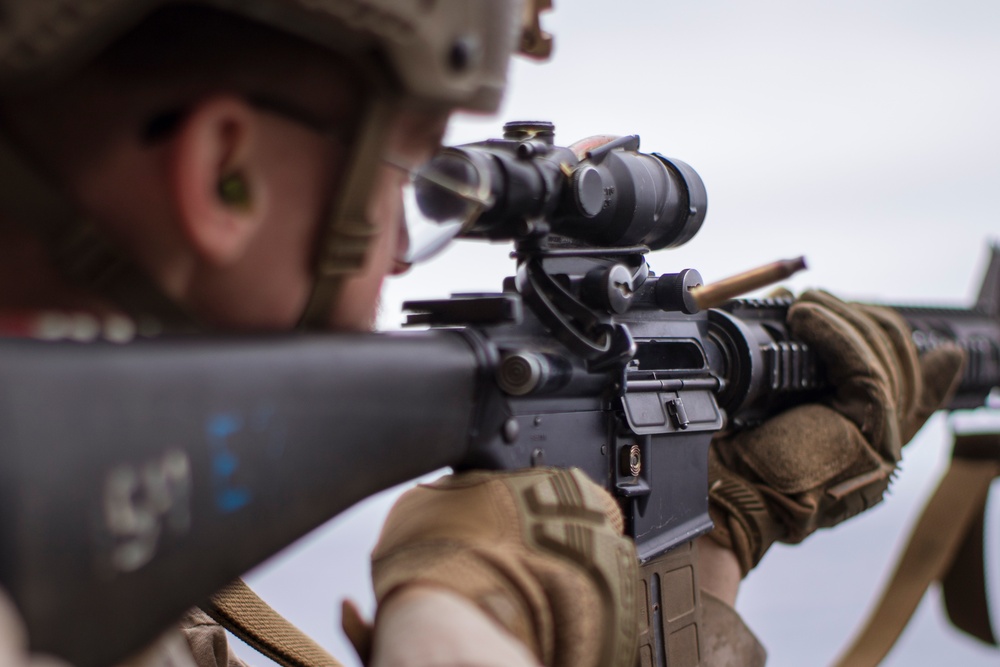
{"x": 225, "y": 463}
{"x": 223, "y": 426}
{"x": 230, "y": 500}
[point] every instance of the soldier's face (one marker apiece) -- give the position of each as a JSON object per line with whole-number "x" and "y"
{"x": 252, "y": 263}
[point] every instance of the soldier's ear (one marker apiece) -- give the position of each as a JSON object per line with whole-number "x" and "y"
{"x": 220, "y": 196}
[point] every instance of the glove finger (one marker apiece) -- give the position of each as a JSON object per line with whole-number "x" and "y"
{"x": 869, "y": 329}
{"x": 805, "y": 468}
{"x": 941, "y": 373}
{"x": 906, "y": 357}
{"x": 359, "y": 632}
{"x": 777, "y": 455}
{"x": 610, "y": 506}
{"x": 837, "y": 343}
{"x": 858, "y": 373}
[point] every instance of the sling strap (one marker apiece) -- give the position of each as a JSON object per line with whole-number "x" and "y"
{"x": 946, "y": 546}
{"x": 239, "y": 610}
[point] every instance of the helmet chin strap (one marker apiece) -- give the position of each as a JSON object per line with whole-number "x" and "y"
{"x": 79, "y": 252}
{"x": 349, "y": 232}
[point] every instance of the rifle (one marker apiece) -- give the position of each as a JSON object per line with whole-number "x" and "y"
{"x": 137, "y": 479}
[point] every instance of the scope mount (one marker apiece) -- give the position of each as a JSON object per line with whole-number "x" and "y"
{"x": 576, "y": 291}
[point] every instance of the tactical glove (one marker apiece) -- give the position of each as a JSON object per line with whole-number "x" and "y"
{"x": 540, "y": 551}
{"x": 816, "y": 465}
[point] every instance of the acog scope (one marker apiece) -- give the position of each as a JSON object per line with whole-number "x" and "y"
{"x": 600, "y": 192}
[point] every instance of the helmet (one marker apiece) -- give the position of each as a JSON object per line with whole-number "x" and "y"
{"x": 439, "y": 54}
{"x": 451, "y": 53}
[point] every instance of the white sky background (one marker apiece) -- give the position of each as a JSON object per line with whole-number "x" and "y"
{"x": 862, "y": 134}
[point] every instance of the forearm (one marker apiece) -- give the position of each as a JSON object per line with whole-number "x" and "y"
{"x": 718, "y": 570}
{"x": 424, "y": 626}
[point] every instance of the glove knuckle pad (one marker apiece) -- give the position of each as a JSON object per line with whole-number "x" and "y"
{"x": 539, "y": 550}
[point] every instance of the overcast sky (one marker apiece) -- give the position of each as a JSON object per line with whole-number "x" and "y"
{"x": 861, "y": 134}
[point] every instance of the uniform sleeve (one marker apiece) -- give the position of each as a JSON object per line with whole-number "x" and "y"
{"x": 207, "y": 640}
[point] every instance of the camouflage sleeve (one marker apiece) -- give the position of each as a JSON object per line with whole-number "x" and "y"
{"x": 207, "y": 640}
{"x": 727, "y": 641}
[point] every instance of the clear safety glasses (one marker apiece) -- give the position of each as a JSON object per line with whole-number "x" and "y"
{"x": 441, "y": 200}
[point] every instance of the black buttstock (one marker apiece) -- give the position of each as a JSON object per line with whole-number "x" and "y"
{"x": 138, "y": 479}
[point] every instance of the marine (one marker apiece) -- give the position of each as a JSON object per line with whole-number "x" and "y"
{"x": 222, "y": 166}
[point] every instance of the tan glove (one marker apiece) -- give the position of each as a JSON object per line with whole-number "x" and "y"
{"x": 540, "y": 551}
{"x": 816, "y": 465}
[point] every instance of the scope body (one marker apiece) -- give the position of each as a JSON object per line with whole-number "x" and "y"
{"x": 602, "y": 194}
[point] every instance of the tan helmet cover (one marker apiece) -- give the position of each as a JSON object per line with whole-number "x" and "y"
{"x": 448, "y": 53}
